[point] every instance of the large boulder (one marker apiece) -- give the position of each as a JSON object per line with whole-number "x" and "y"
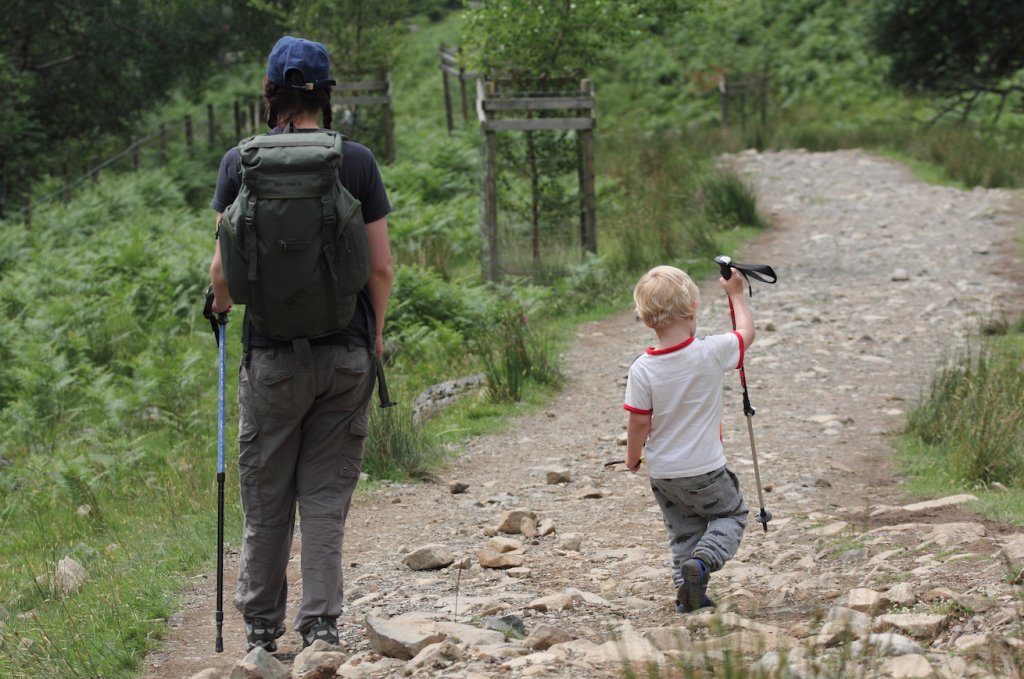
{"x": 491, "y": 559}
{"x": 920, "y": 625}
{"x": 399, "y": 640}
{"x": 504, "y": 545}
{"x": 512, "y": 520}
{"x": 626, "y": 647}
{"x": 259, "y": 665}
{"x": 543, "y": 637}
{"x": 68, "y": 576}
{"x": 320, "y": 660}
{"x": 429, "y": 557}
{"x": 208, "y": 673}
{"x": 438, "y": 655}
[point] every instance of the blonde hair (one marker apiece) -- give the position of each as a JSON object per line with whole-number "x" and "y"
{"x": 665, "y": 295}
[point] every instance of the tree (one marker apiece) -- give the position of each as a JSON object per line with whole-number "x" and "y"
{"x": 544, "y": 40}
{"x": 75, "y": 68}
{"x": 360, "y": 35}
{"x": 961, "y": 50}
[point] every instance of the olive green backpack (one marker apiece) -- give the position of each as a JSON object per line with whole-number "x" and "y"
{"x": 293, "y": 245}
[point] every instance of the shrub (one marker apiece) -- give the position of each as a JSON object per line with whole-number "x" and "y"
{"x": 658, "y": 216}
{"x": 512, "y": 354}
{"x": 729, "y": 200}
{"x": 974, "y": 411}
{"x": 398, "y": 446}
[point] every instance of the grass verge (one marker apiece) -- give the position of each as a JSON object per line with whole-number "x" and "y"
{"x": 967, "y": 435}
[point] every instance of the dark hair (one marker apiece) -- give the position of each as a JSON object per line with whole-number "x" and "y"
{"x": 285, "y": 103}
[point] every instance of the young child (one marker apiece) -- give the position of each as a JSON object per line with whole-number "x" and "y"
{"x": 674, "y": 399}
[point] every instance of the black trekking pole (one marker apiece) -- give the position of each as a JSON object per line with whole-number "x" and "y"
{"x": 219, "y": 332}
{"x": 726, "y": 265}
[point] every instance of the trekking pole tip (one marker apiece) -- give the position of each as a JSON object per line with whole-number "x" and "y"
{"x": 763, "y": 518}
{"x": 219, "y": 646}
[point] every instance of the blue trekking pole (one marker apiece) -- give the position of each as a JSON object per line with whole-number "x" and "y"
{"x": 726, "y": 265}
{"x": 219, "y": 331}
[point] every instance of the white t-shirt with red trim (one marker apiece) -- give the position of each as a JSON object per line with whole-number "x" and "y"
{"x": 681, "y": 388}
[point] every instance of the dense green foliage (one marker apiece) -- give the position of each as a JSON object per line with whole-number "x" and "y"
{"x": 72, "y": 70}
{"x": 106, "y": 378}
{"x": 107, "y": 375}
{"x": 536, "y": 41}
{"x": 107, "y": 372}
{"x": 962, "y": 50}
{"x": 813, "y": 53}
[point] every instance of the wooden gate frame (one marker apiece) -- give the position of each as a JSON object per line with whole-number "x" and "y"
{"x": 584, "y": 123}
{"x": 450, "y": 68}
{"x": 383, "y": 100}
{"x": 755, "y": 84}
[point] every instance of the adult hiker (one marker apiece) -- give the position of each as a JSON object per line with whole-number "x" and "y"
{"x": 313, "y": 267}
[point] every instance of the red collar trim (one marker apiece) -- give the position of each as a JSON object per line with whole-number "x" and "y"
{"x": 659, "y": 352}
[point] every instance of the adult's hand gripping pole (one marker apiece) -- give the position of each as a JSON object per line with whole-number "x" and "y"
{"x": 757, "y": 271}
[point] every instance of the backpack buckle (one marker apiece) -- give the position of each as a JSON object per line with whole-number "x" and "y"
{"x": 328, "y": 207}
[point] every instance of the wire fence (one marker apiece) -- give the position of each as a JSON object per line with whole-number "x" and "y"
{"x": 215, "y": 129}
{"x": 220, "y": 129}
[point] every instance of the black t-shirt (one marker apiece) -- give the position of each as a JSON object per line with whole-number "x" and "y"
{"x": 361, "y": 177}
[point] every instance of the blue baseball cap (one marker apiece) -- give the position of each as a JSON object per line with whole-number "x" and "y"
{"x": 305, "y": 56}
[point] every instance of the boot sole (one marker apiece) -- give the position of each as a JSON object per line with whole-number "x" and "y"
{"x": 689, "y": 593}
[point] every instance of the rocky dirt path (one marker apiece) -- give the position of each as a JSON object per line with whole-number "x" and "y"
{"x": 879, "y": 273}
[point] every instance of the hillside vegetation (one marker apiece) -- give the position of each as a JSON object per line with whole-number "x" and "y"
{"x": 107, "y": 370}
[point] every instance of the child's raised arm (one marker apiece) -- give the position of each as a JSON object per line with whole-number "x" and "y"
{"x": 744, "y": 319}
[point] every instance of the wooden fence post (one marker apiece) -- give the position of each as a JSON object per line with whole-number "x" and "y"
{"x": 211, "y": 127}
{"x": 253, "y": 122}
{"x": 389, "y": 129}
{"x": 724, "y": 89}
{"x": 93, "y": 162}
{"x": 188, "y": 132}
{"x": 462, "y": 86}
{"x": 135, "y": 153}
{"x": 447, "y": 97}
{"x": 587, "y": 188}
{"x": 486, "y": 91}
{"x": 238, "y": 120}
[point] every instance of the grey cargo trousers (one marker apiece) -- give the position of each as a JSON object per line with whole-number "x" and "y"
{"x": 301, "y": 436}
{"x": 705, "y": 516}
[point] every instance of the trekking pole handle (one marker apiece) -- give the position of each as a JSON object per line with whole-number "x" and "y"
{"x": 724, "y": 263}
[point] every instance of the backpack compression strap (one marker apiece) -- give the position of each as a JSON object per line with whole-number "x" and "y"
{"x": 382, "y": 385}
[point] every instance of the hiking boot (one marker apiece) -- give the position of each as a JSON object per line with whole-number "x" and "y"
{"x": 325, "y": 629}
{"x": 705, "y": 602}
{"x": 261, "y": 633}
{"x": 693, "y": 591}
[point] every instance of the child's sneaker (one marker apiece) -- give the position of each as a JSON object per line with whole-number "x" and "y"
{"x": 693, "y": 591}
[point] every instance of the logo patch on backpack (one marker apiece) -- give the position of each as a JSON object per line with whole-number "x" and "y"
{"x": 294, "y": 301}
